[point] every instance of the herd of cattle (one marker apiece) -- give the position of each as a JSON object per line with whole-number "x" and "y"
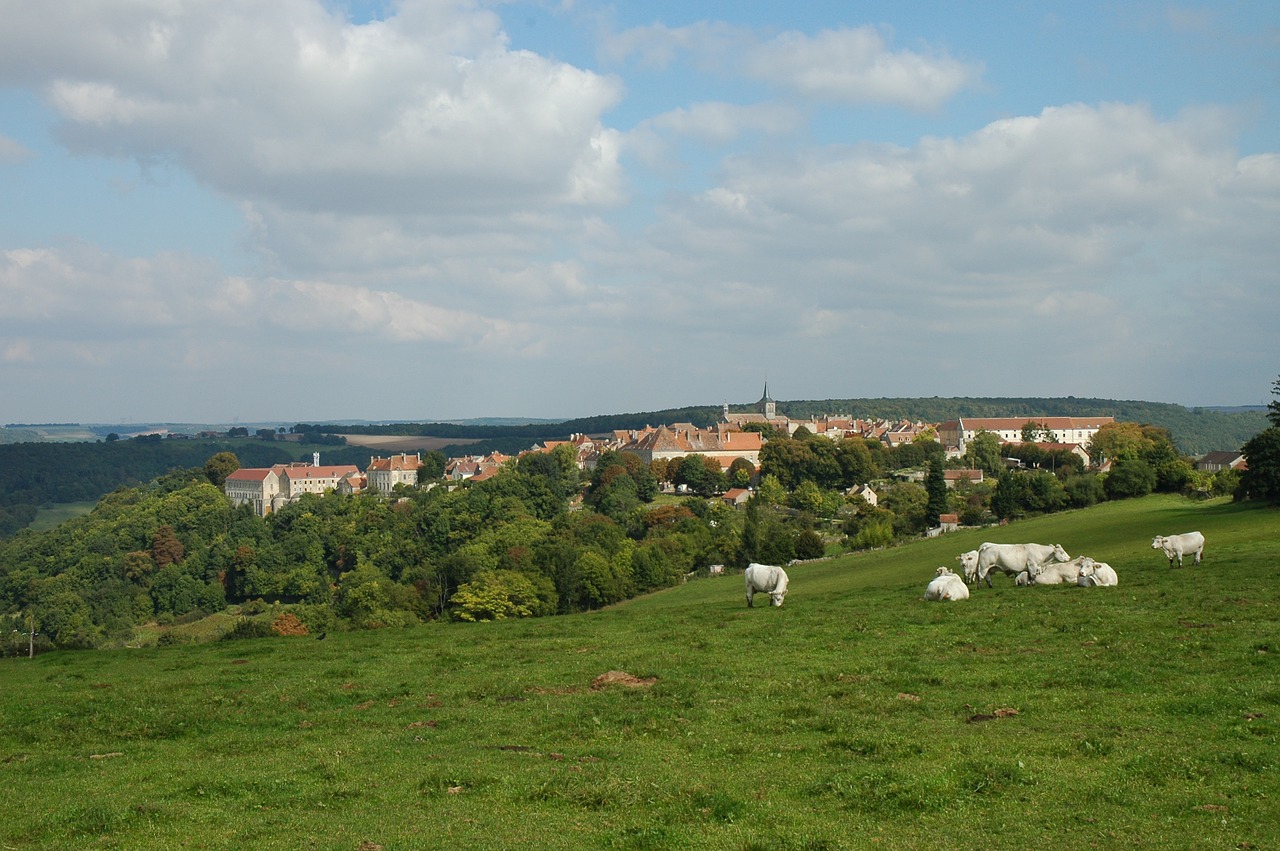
{"x": 1028, "y": 564}
{"x": 1042, "y": 564}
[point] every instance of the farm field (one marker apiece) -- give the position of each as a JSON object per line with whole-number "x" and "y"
{"x": 399, "y": 443}
{"x": 855, "y": 716}
{"x": 51, "y": 515}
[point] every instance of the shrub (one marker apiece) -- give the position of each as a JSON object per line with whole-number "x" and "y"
{"x": 289, "y": 624}
{"x": 248, "y": 628}
{"x": 809, "y": 545}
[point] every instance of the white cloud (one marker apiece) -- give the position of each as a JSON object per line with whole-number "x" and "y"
{"x": 716, "y": 123}
{"x": 849, "y": 65}
{"x": 83, "y": 293}
{"x": 856, "y": 65}
{"x": 428, "y": 110}
{"x": 1083, "y": 233}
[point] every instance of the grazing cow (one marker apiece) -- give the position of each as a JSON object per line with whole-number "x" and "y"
{"x": 1016, "y": 558}
{"x": 1177, "y": 546}
{"x": 969, "y": 565}
{"x": 767, "y": 579}
{"x": 946, "y": 586}
{"x": 1097, "y": 573}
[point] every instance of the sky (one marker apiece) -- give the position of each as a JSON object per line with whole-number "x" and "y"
{"x": 310, "y": 210}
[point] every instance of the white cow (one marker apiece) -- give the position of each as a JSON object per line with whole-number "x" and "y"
{"x": 767, "y": 579}
{"x": 1177, "y": 546}
{"x": 969, "y": 565}
{"x": 1016, "y": 558}
{"x": 1056, "y": 573}
{"x": 946, "y": 586}
{"x": 1096, "y": 573}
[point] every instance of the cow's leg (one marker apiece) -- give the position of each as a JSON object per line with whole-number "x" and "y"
{"x": 1198, "y": 554}
{"x": 749, "y": 596}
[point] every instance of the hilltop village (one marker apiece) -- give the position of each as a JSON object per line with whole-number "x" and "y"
{"x": 738, "y": 439}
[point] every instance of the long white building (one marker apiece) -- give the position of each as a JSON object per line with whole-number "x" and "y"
{"x": 1080, "y": 430}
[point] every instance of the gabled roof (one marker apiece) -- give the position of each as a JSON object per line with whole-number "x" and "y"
{"x": 1222, "y": 457}
{"x": 1016, "y": 423}
{"x": 308, "y": 472}
{"x": 250, "y": 474}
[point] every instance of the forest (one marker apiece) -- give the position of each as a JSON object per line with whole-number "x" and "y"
{"x": 540, "y": 538}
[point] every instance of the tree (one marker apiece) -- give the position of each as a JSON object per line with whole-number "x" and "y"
{"x": 1129, "y": 477}
{"x": 219, "y": 466}
{"x": 1262, "y": 453}
{"x": 1273, "y": 407}
{"x": 809, "y": 545}
{"x": 494, "y": 595}
{"x": 166, "y": 548}
{"x": 983, "y": 453}
{"x": 740, "y": 472}
{"x": 935, "y": 484}
{"x": 433, "y": 464}
{"x": 1262, "y": 479}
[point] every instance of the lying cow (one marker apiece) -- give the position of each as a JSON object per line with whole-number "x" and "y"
{"x": 1177, "y": 546}
{"x": 1096, "y": 573}
{"x": 1055, "y": 573}
{"x": 946, "y": 586}
{"x": 1016, "y": 558}
{"x": 766, "y": 579}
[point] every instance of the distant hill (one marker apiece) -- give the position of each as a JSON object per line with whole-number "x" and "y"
{"x": 1195, "y": 430}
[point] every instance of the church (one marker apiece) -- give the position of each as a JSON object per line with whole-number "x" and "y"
{"x": 764, "y": 411}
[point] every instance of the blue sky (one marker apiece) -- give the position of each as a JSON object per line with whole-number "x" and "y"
{"x": 311, "y": 209}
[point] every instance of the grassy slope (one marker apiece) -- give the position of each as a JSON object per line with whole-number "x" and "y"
{"x": 1146, "y": 716}
{"x": 51, "y": 515}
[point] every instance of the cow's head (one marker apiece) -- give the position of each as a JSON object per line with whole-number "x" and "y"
{"x": 1086, "y": 566}
{"x": 1059, "y": 554}
{"x": 969, "y": 564}
{"x": 1157, "y": 542}
{"x": 779, "y": 592}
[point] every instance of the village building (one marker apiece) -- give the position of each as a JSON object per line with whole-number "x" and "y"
{"x": 722, "y": 444}
{"x": 763, "y": 412}
{"x": 255, "y": 487}
{"x": 384, "y": 474}
{"x": 475, "y": 467}
{"x": 1212, "y": 462}
{"x": 956, "y": 477}
{"x": 954, "y": 435}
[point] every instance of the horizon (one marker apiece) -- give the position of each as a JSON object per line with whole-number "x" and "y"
{"x": 557, "y": 420}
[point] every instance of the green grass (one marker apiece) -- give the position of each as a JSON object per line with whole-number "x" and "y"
{"x": 51, "y": 515}
{"x": 1144, "y": 716}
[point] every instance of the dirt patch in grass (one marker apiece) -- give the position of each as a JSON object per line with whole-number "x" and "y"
{"x": 621, "y": 678}
{"x": 1003, "y": 712}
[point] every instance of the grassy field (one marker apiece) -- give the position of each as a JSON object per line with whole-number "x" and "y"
{"x": 855, "y": 716}
{"x": 51, "y": 515}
